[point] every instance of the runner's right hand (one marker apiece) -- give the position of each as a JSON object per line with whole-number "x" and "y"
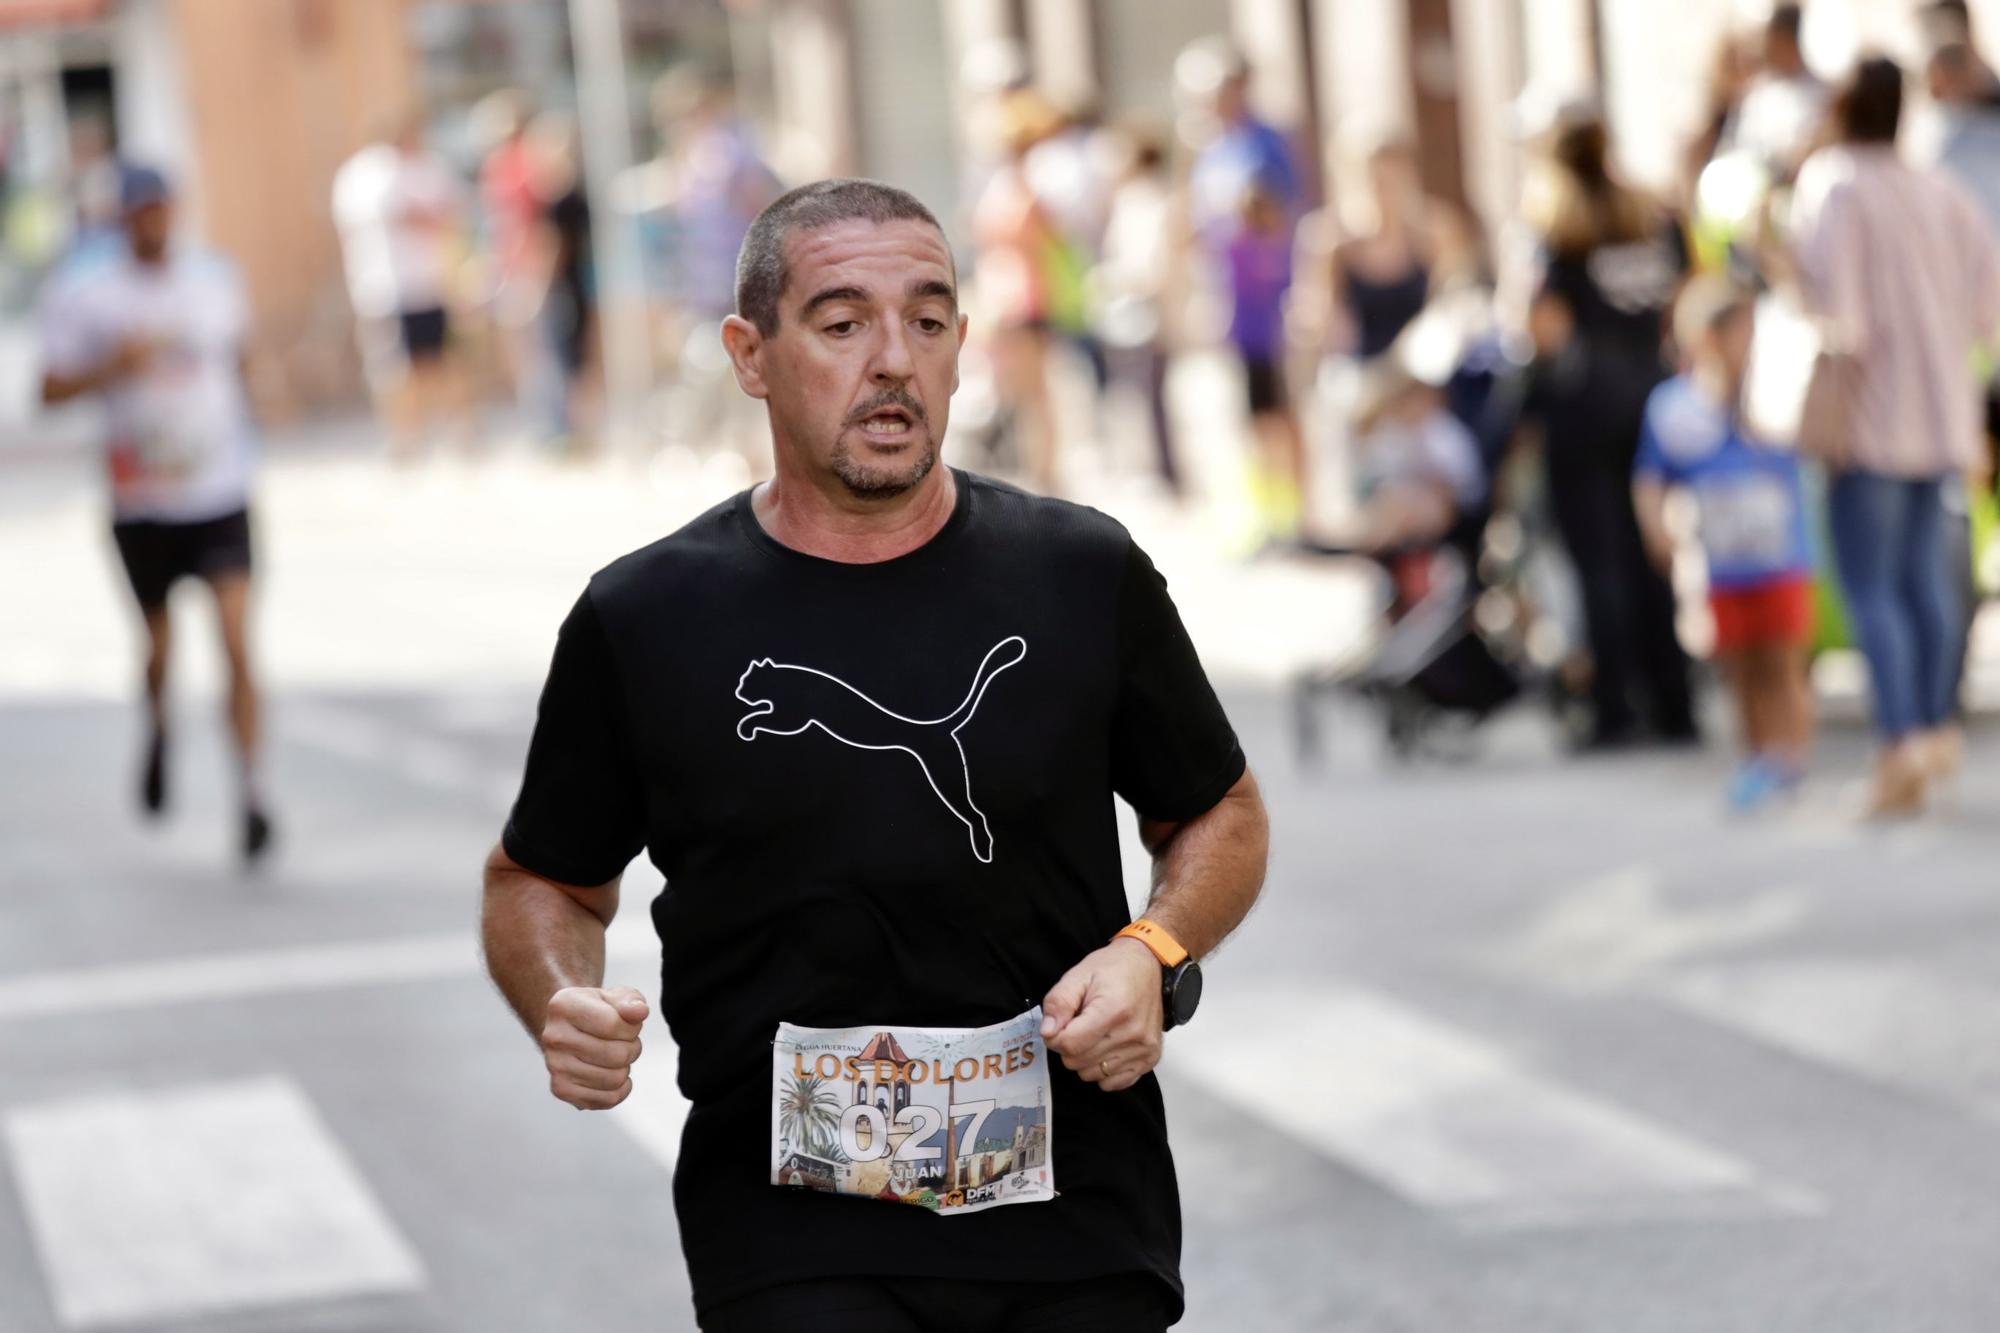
{"x": 130, "y": 359}
{"x": 589, "y": 1040}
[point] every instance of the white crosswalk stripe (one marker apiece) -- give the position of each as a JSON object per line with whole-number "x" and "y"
{"x": 1452, "y": 1122}
{"x": 1895, "y": 1024}
{"x": 198, "y": 1199}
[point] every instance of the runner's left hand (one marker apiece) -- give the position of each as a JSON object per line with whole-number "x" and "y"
{"x": 1105, "y": 1014}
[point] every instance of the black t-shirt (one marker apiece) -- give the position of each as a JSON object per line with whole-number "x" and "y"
{"x": 1592, "y": 399}
{"x": 1620, "y": 291}
{"x": 872, "y": 869}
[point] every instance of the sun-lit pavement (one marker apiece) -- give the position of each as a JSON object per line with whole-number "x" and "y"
{"x": 1514, "y": 1043}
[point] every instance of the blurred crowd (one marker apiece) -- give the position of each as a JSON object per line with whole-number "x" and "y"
{"x": 1753, "y": 414}
{"x": 459, "y": 282}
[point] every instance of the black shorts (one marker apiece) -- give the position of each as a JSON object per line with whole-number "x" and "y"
{"x": 1123, "y": 1303}
{"x": 1264, "y": 382}
{"x": 158, "y": 555}
{"x": 425, "y": 333}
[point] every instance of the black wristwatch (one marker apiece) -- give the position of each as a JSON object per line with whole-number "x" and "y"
{"x": 1180, "y": 993}
{"x": 1180, "y": 980}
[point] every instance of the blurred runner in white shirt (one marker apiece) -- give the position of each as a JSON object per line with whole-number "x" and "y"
{"x": 155, "y": 334}
{"x": 399, "y": 210}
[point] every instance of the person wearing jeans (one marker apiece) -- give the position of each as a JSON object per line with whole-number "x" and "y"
{"x": 1903, "y": 271}
{"x": 1903, "y": 597}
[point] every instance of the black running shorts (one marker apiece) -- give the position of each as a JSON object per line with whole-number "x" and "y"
{"x": 157, "y": 554}
{"x": 424, "y": 333}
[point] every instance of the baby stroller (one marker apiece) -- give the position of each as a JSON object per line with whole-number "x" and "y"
{"x": 1452, "y": 647}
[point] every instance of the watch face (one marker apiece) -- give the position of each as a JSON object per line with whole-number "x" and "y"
{"x": 1186, "y": 991}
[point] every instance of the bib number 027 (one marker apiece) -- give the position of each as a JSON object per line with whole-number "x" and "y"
{"x": 921, "y": 1121}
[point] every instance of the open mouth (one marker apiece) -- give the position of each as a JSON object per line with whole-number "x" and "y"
{"x": 888, "y": 424}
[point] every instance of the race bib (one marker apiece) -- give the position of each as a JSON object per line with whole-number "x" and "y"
{"x": 949, "y": 1119}
{"x": 175, "y": 421}
{"x": 1747, "y": 520}
{"x": 177, "y": 418}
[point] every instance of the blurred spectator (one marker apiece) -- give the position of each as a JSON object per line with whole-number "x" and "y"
{"x": 1610, "y": 262}
{"x": 1135, "y": 283}
{"x": 1968, "y": 149}
{"x": 1731, "y": 73}
{"x": 568, "y": 314}
{"x": 1259, "y": 256}
{"x": 510, "y": 198}
{"x": 1968, "y": 144}
{"x": 95, "y": 184}
{"x": 717, "y": 184}
{"x": 1396, "y": 252}
{"x": 1783, "y": 109}
{"x": 1070, "y": 173}
{"x": 1419, "y": 467}
{"x": 1949, "y": 23}
{"x": 156, "y": 332}
{"x": 1244, "y": 154}
{"x": 1015, "y": 240}
{"x": 1751, "y": 509}
{"x": 1903, "y": 270}
{"x": 400, "y": 211}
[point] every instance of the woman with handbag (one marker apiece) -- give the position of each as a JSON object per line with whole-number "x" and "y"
{"x": 1902, "y": 273}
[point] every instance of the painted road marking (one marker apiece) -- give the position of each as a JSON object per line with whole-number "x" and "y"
{"x": 192, "y": 978}
{"x": 211, "y": 1197}
{"x": 1452, "y": 1122}
{"x": 1895, "y": 1025}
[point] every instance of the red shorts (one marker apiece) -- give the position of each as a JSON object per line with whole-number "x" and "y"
{"x": 1778, "y": 612}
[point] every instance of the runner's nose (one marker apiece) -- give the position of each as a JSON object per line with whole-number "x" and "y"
{"x": 892, "y": 362}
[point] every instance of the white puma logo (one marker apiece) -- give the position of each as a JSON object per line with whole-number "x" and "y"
{"x": 785, "y": 700}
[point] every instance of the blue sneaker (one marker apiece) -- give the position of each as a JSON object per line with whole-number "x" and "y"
{"x": 1756, "y": 782}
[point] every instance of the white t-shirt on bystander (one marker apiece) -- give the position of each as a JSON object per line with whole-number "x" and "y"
{"x": 396, "y": 212}
{"x": 179, "y": 436}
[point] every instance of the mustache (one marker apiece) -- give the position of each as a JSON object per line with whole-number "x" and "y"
{"x": 888, "y": 398}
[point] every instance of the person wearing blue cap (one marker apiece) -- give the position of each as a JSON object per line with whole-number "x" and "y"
{"x": 154, "y": 334}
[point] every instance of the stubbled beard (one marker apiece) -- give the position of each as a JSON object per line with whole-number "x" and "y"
{"x": 865, "y": 483}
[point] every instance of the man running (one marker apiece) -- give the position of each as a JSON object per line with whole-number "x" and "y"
{"x": 868, "y": 719}
{"x": 156, "y": 332}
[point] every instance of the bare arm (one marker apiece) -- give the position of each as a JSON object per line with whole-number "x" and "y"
{"x": 130, "y": 359}
{"x": 1104, "y": 1018}
{"x": 1208, "y": 871}
{"x": 1649, "y": 501}
{"x": 544, "y": 945}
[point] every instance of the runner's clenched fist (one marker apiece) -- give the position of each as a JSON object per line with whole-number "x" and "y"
{"x": 590, "y": 1039}
{"x": 1104, "y": 1018}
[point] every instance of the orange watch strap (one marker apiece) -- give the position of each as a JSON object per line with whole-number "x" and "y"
{"x": 1164, "y": 946}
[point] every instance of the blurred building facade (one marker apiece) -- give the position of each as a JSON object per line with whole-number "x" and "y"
{"x": 255, "y": 103}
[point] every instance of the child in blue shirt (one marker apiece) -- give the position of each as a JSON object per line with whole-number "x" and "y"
{"x": 1750, "y": 507}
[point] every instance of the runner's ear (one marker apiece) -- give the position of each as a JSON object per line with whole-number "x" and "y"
{"x": 744, "y": 343}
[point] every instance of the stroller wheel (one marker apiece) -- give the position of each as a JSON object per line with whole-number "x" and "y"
{"x": 1405, "y": 719}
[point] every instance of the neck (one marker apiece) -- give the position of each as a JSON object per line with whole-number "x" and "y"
{"x": 1721, "y": 383}
{"x": 820, "y": 517}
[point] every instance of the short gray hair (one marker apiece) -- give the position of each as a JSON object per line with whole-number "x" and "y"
{"x": 761, "y": 270}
